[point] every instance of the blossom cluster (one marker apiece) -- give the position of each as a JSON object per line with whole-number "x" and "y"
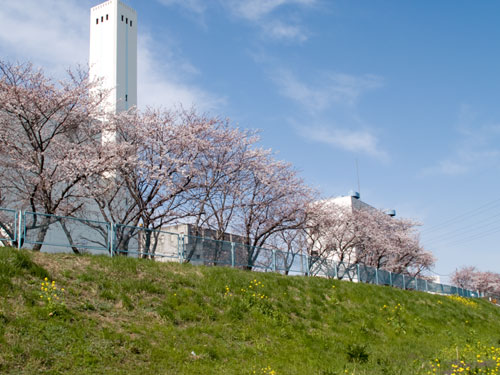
{"x": 265, "y": 371}
{"x": 252, "y": 291}
{"x": 50, "y": 293}
{"x": 464, "y": 301}
{"x": 477, "y": 359}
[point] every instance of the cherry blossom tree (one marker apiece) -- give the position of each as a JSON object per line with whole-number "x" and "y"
{"x": 222, "y": 171}
{"x": 50, "y": 136}
{"x": 350, "y": 236}
{"x": 390, "y": 243}
{"x": 332, "y": 237}
{"x": 273, "y": 199}
{"x": 471, "y": 278}
{"x": 465, "y": 277}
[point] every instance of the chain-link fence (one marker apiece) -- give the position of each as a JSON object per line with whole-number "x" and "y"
{"x": 61, "y": 234}
{"x": 139, "y": 242}
{"x": 54, "y": 233}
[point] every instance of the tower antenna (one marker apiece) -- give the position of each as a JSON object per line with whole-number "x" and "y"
{"x": 357, "y": 175}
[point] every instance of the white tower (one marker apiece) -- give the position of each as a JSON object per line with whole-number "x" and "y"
{"x": 113, "y": 53}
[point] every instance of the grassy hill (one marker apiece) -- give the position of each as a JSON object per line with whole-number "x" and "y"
{"x": 128, "y": 316}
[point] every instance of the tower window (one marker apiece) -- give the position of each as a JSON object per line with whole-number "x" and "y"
{"x": 122, "y": 17}
{"x": 126, "y": 97}
{"x": 102, "y": 18}
{"x": 97, "y": 21}
{"x": 126, "y": 21}
{"x": 107, "y": 17}
{"x": 130, "y": 23}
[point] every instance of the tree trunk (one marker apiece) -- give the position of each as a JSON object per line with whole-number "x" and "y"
{"x": 40, "y": 237}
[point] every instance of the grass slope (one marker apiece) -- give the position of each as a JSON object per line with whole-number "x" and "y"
{"x": 128, "y": 316}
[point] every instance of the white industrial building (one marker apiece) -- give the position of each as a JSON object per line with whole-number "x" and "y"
{"x": 113, "y": 53}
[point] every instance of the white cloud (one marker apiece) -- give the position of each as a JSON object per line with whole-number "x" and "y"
{"x": 55, "y": 35}
{"x": 282, "y": 31}
{"x": 475, "y": 148}
{"x": 357, "y": 141}
{"x": 262, "y": 14}
{"x": 195, "y": 6}
{"x": 166, "y": 83}
{"x": 254, "y": 10}
{"x": 331, "y": 88}
{"x": 447, "y": 167}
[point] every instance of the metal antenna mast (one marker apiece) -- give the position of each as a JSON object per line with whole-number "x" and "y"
{"x": 357, "y": 175}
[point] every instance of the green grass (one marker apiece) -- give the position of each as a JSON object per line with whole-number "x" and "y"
{"x": 128, "y": 316}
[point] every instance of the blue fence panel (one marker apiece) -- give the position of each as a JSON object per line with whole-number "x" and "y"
{"x": 61, "y": 233}
{"x": 367, "y": 274}
{"x": 139, "y": 242}
{"x": 261, "y": 259}
{"x": 324, "y": 267}
{"x": 290, "y": 263}
{"x": 384, "y": 277}
{"x": 8, "y": 226}
{"x": 207, "y": 251}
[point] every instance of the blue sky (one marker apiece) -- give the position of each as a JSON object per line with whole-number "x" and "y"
{"x": 409, "y": 89}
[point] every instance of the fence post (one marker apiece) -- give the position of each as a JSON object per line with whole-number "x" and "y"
{"x": 390, "y": 278}
{"x": 111, "y": 242}
{"x": 183, "y": 245}
{"x": 376, "y": 276}
{"x": 359, "y": 276}
{"x": 274, "y": 261}
{"x": 19, "y": 223}
{"x": 307, "y": 265}
{"x": 426, "y": 286}
{"x": 336, "y": 270}
{"x": 232, "y": 254}
{"x": 404, "y": 285}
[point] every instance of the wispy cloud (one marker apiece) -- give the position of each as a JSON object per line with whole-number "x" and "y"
{"x": 446, "y": 167}
{"x": 166, "y": 82}
{"x": 357, "y": 141}
{"x": 329, "y": 89}
{"x": 476, "y": 146}
{"x": 55, "y": 35}
{"x": 282, "y": 31}
{"x": 255, "y": 10}
{"x": 260, "y": 13}
{"x": 195, "y": 6}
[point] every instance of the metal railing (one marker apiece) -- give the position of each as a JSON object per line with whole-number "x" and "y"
{"x": 52, "y": 233}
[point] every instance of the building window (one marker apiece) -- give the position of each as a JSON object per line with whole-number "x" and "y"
{"x": 107, "y": 17}
{"x": 126, "y": 97}
{"x": 97, "y": 21}
{"x": 102, "y": 18}
{"x": 122, "y": 17}
{"x": 126, "y": 21}
{"x": 130, "y": 23}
